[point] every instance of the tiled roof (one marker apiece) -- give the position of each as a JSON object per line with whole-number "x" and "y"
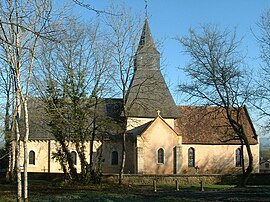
{"x": 38, "y": 121}
{"x": 209, "y": 125}
{"x": 109, "y": 111}
{"x": 196, "y": 125}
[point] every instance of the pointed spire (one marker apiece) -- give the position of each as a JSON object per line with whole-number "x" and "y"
{"x": 148, "y": 94}
{"x": 146, "y": 38}
{"x": 146, "y": 47}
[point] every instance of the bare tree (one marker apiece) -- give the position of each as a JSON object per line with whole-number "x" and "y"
{"x": 22, "y": 24}
{"x": 262, "y": 92}
{"x": 217, "y": 78}
{"x": 124, "y": 37}
{"x": 7, "y": 91}
{"x": 75, "y": 76}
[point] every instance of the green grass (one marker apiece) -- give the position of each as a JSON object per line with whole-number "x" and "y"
{"x": 40, "y": 191}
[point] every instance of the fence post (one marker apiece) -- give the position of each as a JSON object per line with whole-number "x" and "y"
{"x": 176, "y": 185}
{"x": 155, "y": 185}
{"x": 202, "y": 189}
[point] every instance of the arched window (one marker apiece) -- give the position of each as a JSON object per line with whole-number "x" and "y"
{"x": 32, "y": 160}
{"x": 160, "y": 155}
{"x": 191, "y": 157}
{"x": 238, "y": 158}
{"x": 74, "y": 157}
{"x": 114, "y": 158}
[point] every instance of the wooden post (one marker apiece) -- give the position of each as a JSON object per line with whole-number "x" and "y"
{"x": 49, "y": 156}
{"x": 176, "y": 185}
{"x": 155, "y": 185}
{"x": 202, "y": 189}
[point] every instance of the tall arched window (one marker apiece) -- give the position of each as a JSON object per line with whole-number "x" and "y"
{"x": 114, "y": 158}
{"x": 32, "y": 160}
{"x": 160, "y": 155}
{"x": 191, "y": 157}
{"x": 238, "y": 158}
{"x": 74, "y": 157}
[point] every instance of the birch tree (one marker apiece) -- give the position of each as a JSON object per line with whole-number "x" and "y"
{"x": 7, "y": 91}
{"x": 22, "y": 24}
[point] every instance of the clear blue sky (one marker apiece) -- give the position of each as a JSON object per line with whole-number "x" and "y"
{"x": 171, "y": 18}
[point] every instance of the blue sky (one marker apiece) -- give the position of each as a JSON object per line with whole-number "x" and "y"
{"x": 171, "y": 18}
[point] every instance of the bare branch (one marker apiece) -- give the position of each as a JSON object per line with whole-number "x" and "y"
{"x": 89, "y": 7}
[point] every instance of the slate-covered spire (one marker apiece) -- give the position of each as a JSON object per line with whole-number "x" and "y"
{"x": 146, "y": 41}
{"x": 148, "y": 92}
{"x": 147, "y": 55}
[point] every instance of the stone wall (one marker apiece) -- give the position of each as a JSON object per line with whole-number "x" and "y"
{"x": 255, "y": 179}
{"x": 170, "y": 179}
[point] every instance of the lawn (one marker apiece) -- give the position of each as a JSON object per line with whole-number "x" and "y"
{"x": 42, "y": 191}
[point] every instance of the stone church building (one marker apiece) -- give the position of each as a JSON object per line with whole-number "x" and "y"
{"x": 162, "y": 138}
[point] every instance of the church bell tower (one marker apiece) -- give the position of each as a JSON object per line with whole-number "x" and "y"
{"x": 148, "y": 91}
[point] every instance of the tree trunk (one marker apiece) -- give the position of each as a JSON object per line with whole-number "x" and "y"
{"x": 73, "y": 171}
{"x": 122, "y": 166}
{"x": 238, "y": 128}
{"x": 80, "y": 147}
{"x": 246, "y": 174}
{"x": 91, "y": 151}
{"x": 8, "y": 138}
{"x": 18, "y": 169}
{"x": 93, "y": 137}
{"x": 25, "y": 146}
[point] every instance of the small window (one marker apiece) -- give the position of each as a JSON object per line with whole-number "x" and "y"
{"x": 160, "y": 154}
{"x": 32, "y": 160}
{"x": 114, "y": 158}
{"x": 238, "y": 158}
{"x": 142, "y": 41}
{"x": 74, "y": 157}
{"x": 266, "y": 165}
{"x": 191, "y": 157}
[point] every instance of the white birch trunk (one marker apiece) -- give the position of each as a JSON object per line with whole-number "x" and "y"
{"x": 26, "y": 20}
{"x": 25, "y": 147}
{"x": 18, "y": 163}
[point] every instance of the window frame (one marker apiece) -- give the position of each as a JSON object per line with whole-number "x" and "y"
{"x": 191, "y": 157}
{"x": 32, "y": 158}
{"x": 114, "y": 158}
{"x": 74, "y": 157}
{"x": 238, "y": 157}
{"x": 160, "y": 156}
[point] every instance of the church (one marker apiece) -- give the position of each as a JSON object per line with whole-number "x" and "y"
{"x": 161, "y": 137}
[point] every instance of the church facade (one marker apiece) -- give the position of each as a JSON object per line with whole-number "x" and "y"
{"x": 162, "y": 138}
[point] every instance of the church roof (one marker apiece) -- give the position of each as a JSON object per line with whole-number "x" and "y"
{"x": 209, "y": 125}
{"x": 148, "y": 91}
{"x": 196, "y": 125}
{"x": 109, "y": 111}
{"x": 146, "y": 43}
{"x": 38, "y": 121}
{"x": 151, "y": 123}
